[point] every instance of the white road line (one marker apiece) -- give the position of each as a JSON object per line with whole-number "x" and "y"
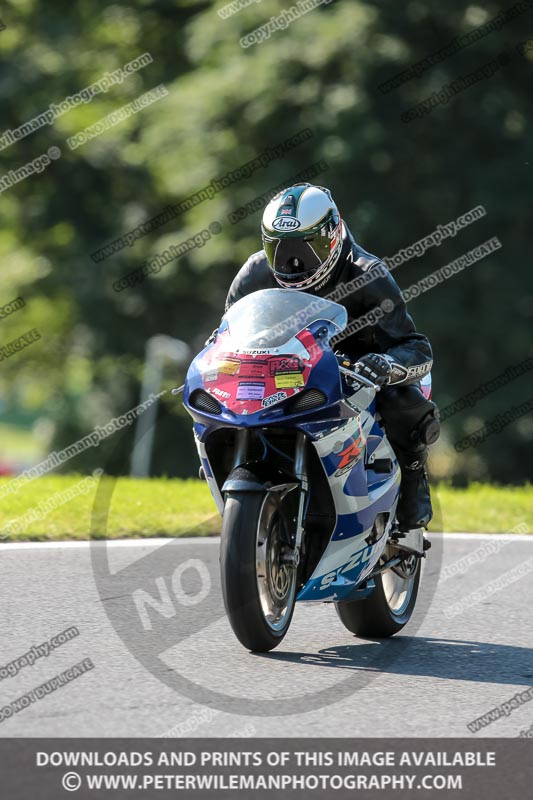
{"x": 502, "y": 537}
{"x": 202, "y": 540}
{"x": 6, "y": 546}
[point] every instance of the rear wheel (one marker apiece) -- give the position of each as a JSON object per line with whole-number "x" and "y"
{"x": 391, "y": 604}
{"x": 258, "y": 587}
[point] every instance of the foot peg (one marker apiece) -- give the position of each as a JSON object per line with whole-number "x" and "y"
{"x": 380, "y": 465}
{"x": 412, "y": 541}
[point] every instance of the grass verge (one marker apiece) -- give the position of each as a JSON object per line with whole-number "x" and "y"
{"x": 63, "y": 508}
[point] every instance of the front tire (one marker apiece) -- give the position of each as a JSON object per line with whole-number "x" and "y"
{"x": 259, "y": 590}
{"x": 390, "y": 606}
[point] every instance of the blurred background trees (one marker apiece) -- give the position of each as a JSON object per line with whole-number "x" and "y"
{"x": 394, "y": 183}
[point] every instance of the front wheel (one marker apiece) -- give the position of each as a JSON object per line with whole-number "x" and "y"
{"x": 258, "y": 588}
{"x": 389, "y": 607}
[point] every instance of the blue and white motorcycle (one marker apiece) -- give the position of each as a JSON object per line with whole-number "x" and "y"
{"x": 301, "y": 471}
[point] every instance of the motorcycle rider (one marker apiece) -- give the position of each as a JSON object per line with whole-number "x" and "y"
{"x": 307, "y": 247}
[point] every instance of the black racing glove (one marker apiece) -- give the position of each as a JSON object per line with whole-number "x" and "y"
{"x": 375, "y": 368}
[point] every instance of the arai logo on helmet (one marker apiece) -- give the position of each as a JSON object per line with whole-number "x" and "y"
{"x": 286, "y": 224}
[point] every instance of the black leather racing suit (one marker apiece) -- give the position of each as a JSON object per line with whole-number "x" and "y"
{"x": 363, "y": 284}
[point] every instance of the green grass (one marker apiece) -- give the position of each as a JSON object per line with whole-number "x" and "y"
{"x": 137, "y": 508}
{"x": 147, "y": 508}
{"x": 482, "y": 507}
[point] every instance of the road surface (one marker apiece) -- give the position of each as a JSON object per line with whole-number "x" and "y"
{"x": 149, "y": 616}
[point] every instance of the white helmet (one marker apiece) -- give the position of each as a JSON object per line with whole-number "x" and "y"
{"x": 302, "y": 236}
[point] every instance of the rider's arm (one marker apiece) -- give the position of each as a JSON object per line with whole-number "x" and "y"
{"x": 255, "y": 274}
{"x": 393, "y": 333}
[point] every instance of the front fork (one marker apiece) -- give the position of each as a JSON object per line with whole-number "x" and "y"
{"x": 291, "y": 556}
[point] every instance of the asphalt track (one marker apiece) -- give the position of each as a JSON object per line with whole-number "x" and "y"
{"x": 444, "y": 671}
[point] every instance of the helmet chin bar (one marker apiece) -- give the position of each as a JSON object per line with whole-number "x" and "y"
{"x": 291, "y": 278}
{"x": 305, "y": 283}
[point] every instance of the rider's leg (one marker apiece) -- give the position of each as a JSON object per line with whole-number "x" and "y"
{"x": 411, "y": 423}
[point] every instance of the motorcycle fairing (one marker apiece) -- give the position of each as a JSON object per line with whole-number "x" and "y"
{"x": 246, "y": 381}
{"x": 359, "y": 495}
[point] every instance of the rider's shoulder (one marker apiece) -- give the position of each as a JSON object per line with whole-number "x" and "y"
{"x": 256, "y": 272}
{"x": 361, "y": 258}
{"x": 257, "y": 261}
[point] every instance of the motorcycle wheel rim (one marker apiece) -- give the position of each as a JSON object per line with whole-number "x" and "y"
{"x": 398, "y": 585}
{"x": 276, "y": 582}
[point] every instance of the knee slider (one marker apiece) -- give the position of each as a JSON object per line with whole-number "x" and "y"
{"x": 427, "y": 430}
{"x": 411, "y": 420}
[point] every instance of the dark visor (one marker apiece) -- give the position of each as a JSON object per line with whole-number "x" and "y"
{"x": 295, "y": 258}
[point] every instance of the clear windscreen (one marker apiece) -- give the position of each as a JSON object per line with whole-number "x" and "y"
{"x": 270, "y": 317}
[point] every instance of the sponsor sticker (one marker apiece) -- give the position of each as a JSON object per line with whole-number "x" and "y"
{"x": 289, "y": 380}
{"x": 252, "y": 369}
{"x": 273, "y": 398}
{"x": 284, "y": 364}
{"x": 211, "y": 376}
{"x": 221, "y": 393}
{"x": 229, "y": 367}
{"x": 250, "y": 391}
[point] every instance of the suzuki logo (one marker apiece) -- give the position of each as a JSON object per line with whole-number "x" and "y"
{"x": 349, "y": 454}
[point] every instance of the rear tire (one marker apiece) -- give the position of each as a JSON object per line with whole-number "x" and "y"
{"x": 259, "y": 590}
{"x": 389, "y": 607}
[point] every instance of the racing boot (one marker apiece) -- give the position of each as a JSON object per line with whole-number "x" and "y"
{"x": 414, "y": 506}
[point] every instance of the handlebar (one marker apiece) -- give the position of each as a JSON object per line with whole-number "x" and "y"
{"x": 355, "y": 376}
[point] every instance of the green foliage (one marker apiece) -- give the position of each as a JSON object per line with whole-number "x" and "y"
{"x": 394, "y": 183}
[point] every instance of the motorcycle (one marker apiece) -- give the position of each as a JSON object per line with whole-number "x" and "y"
{"x": 301, "y": 470}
